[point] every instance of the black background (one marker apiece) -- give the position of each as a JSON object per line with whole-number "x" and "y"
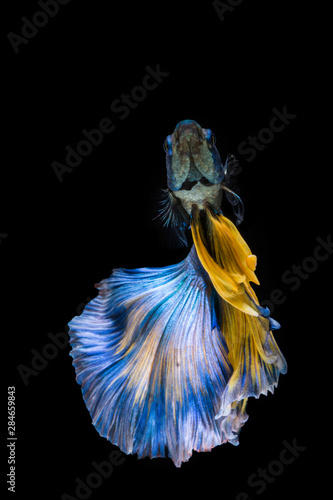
{"x": 63, "y": 237}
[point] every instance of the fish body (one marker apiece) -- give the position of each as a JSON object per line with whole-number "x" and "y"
{"x": 168, "y": 357}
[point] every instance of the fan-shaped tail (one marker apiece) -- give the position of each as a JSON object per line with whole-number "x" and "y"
{"x": 152, "y": 362}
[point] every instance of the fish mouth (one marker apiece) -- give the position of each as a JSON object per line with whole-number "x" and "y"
{"x": 189, "y": 130}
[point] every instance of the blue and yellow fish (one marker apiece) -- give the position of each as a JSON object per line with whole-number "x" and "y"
{"x": 167, "y": 357}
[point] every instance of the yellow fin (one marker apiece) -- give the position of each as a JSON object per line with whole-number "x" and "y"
{"x": 226, "y": 258}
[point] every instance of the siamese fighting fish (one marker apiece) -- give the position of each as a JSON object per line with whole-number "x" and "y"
{"x": 167, "y": 357}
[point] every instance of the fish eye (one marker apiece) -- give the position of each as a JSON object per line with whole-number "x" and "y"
{"x": 211, "y": 139}
{"x": 167, "y": 145}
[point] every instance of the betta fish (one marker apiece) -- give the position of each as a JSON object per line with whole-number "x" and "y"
{"x": 167, "y": 357}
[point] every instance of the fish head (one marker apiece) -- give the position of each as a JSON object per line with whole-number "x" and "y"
{"x": 192, "y": 157}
